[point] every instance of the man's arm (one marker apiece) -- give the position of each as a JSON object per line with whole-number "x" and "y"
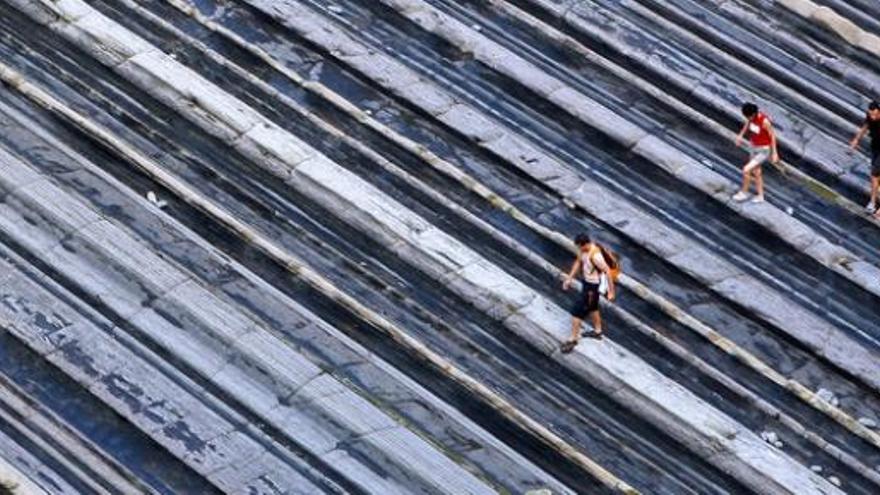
{"x": 566, "y": 284}
{"x": 858, "y": 137}
{"x": 774, "y": 156}
{"x": 742, "y": 134}
{"x": 602, "y": 266}
{"x": 612, "y": 292}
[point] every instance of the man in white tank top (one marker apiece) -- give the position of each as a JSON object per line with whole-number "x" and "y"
{"x": 591, "y": 262}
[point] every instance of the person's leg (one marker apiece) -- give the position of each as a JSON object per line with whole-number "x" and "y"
{"x": 875, "y": 177}
{"x": 578, "y": 312}
{"x": 759, "y": 182}
{"x": 875, "y": 184}
{"x": 596, "y": 317}
{"x": 875, "y": 181}
{"x": 753, "y": 168}
{"x": 743, "y": 193}
{"x": 575, "y": 337}
{"x": 576, "y": 325}
{"x": 593, "y": 308}
{"x": 747, "y": 177}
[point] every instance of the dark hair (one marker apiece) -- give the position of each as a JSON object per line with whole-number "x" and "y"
{"x": 582, "y": 239}
{"x": 874, "y": 105}
{"x": 749, "y": 110}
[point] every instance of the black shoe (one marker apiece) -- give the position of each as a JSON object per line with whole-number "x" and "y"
{"x": 568, "y": 346}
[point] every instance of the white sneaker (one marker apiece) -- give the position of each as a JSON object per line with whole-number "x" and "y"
{"x": 870, "y": 207}
{"x": 741, "y": 196}
{"x": 758, "y": 199}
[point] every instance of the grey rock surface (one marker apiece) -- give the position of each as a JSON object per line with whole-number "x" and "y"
{"x": 311, "y": 247}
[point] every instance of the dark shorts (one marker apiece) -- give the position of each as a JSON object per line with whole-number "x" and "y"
{"x": 875, "y": 163}
{"x": 587, "y": 301}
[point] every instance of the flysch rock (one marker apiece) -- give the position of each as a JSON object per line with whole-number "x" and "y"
{"x": 212, "y": 339}
{"x": 460, "y": 434}
{"x": 19, "y": 468}
{"x": 798, "y": 323}
{"x": 655, "y": 150}
{"x": 771, "y": 466}
{"x": 121, "y": 375}
{"x": 822, "y": 151}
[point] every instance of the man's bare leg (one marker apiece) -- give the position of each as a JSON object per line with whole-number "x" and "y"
{"x": 596, "y": 317}
{"x": 743, "y": 193}
{"x": 576, "y": 325}
{"x": 759, "y": 182}
{"x": 875, "y": 185}
{"x": 747, "y": 178}
{"x": 569, "y": 345}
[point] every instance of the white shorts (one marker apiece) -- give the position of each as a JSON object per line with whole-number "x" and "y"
{"x": 759, "y": 156}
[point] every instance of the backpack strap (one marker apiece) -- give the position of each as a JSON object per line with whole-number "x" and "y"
{"x": 592, "y": 252}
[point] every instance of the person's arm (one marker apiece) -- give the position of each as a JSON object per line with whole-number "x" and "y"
{"x": 774, "y": 156}
{"x": 612, "y": 292}
{"x": 858, "y": 137}
{"x": 742, "y": 134}
{"x": 602, "y": 266}
{"x": 566, "y": 284}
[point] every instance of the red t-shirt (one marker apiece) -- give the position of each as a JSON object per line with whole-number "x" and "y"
{"x": 758, "y": 134}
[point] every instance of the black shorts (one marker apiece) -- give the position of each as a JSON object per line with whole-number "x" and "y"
{"x": 875, "y": 163}
{"x": 587, "y": 301}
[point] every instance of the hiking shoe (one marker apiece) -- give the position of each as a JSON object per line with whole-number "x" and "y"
{"x": 758, "y": 199}
{"x": 870, "y": 207}
{"x": 568, "y": 346}
{"x": 741, "y": 196}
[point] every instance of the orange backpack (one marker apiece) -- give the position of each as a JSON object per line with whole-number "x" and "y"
{"x": 612, "y": 260}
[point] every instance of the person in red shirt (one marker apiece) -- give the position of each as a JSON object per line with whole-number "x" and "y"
{"x": 762, "y": 141}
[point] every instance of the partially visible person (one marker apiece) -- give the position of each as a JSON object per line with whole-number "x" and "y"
{"x": 762, "y": 141}
{"x": 871, "y": 125}
{"x": 591, "y": 262}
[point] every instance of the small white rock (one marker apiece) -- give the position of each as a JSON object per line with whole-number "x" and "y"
{"x": 835, "y": 402}
{"x": 789, "y": 210}
{"x": 825, "y": 394}
{"x": 816, "y": 469}
{"x": 778, "y": 444}
{"x": 770, "y": 437}
{"x": 152, "y": 198}
{"x": 868, "y": 423}
{"x": 477, "y": 27}
{"x": 834, "y": 480}
{"x": 336, "y": 9}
